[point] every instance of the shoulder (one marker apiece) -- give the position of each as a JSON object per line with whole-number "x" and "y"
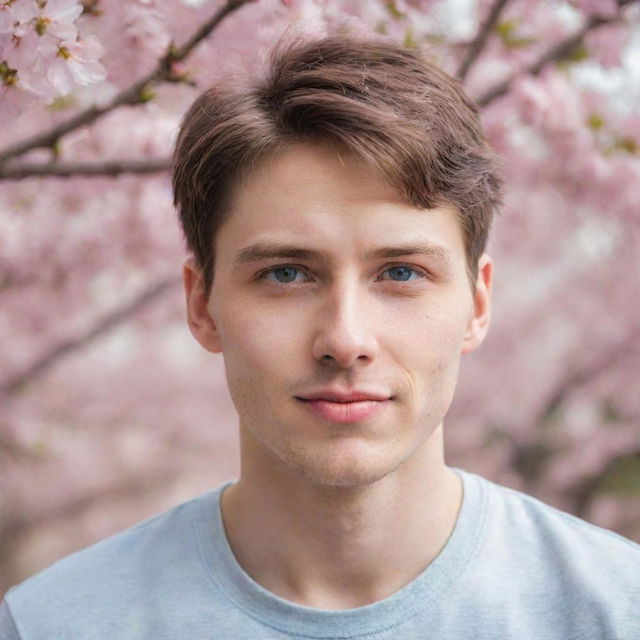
{"x": 8, "y": 629}
{"x": 543, "y": 560}
{"x": 108, "y": 576}
{"x": 556, "y": 531}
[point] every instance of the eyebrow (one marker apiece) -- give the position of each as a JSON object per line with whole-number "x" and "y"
{"x": 268, "y": 250}
{"x": 429, "y": 249}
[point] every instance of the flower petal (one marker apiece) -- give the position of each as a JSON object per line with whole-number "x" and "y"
{"x": 63, "y": 10}
{"x": 84, "y": 72}
{"x": 59, "y": 77}
{"x": 62, "y": 30}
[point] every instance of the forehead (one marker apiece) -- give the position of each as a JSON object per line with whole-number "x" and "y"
{"x": 301, "y": 170}
{"x": 329, "y": 199}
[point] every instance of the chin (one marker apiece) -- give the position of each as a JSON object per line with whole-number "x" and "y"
{"x": 346, "y": 471}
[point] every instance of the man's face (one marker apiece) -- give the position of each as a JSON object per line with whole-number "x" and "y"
{"x": 341, "y": 312}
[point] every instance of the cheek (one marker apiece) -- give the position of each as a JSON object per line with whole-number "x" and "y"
{"x": 259, "y": 349}
{"x": 430, "y": 356}
{"x": 432, "y": 334}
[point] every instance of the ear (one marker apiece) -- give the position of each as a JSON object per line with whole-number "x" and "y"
{"x": 478, "y": 323}
{"x": 201, "y": 323}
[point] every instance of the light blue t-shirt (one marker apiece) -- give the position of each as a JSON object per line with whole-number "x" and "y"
{"x": 513, "y": 568}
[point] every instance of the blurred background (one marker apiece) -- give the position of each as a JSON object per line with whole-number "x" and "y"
{"x": 109, "y": 410}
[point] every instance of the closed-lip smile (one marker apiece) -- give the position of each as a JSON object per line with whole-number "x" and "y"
{"x": 334, "y": 395}
{"x": 339, "y": 406}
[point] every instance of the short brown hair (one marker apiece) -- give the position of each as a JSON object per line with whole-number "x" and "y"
{"x": 386, "y": 103}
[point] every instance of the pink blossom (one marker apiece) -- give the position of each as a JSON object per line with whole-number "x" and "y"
{"x": 603, "y": 8}
{"x": 146, "y": 27}
{"x": 57, "y": 18}
{"x": 76, "y": 63}
{"x": 607, "y": 43}
{"x": 6, "y": 24}
{"x": 53, "y": 17}
{"x": 37, "y": 37}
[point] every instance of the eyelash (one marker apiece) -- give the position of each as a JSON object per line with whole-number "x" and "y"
{"x": 422, "y": 274}
{"x": 263, "y": 274}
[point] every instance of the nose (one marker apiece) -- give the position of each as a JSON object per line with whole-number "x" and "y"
{"x": 344, "y": 334}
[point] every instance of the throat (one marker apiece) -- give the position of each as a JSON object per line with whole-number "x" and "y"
{"x": 340, "y": 559}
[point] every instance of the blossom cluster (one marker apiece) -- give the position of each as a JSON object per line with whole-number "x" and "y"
{"x": 41, "y": 52}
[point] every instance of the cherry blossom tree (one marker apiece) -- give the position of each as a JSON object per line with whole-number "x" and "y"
{"x": 109, "y": 410}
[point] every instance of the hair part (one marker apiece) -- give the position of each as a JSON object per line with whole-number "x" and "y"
{"x": 377, "y": 99}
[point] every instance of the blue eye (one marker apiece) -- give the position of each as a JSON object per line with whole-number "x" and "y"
{"x": 284, "y": 275}
{"x": 402, "y": 274}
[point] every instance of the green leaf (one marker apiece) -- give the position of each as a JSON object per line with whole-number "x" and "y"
{"x": 146, "y": 95}
{"x": 506, "y": 28}
{"x": 172, "y": 52}
{"x": 409, "y": 40}
{"x": 62, "y": 102}
{"x": 393, "y": 10}
{"x": 579, "y": 54}
{"x": 623, "y": 478}
{"x": 507, "y": 32}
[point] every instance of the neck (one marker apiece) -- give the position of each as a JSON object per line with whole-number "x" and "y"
{"x": 341, "y": 547}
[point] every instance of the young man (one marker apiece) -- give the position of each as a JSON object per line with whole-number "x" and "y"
{"x": 338, "y": 213}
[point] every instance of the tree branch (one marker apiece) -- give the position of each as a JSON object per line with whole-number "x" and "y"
{"x": 585, "y": 494}
{"x": 20, "y": 170}
{"x": 530, "y": 458}
{"x": 47, "y": 360}
{"x": 132, "y": 95}
{"x": 476, "y": 47}
{"x": 122, "y": 489}
{"x": 10, "y": 448}
{"x": 560, "y": 51}
{"x": 576, "y": 379}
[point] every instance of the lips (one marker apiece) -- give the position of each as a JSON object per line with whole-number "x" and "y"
{"x": 345, "y": 407}
{"x": 334, "y": 395}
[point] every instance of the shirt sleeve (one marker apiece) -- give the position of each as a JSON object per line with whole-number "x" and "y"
{"x": 8, "y": 630}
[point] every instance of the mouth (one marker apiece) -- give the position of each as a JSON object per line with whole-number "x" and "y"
{"x": 345, "y": 407}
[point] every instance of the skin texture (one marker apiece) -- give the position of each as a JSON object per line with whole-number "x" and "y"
{"x": 338, "y": 514}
